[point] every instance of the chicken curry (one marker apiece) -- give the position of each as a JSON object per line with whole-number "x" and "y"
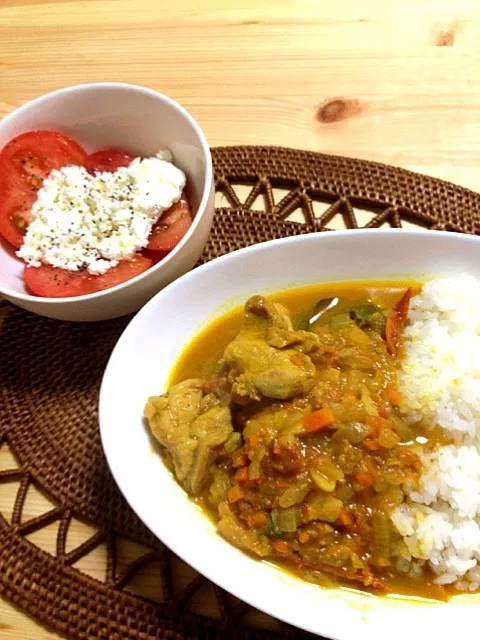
{"x": 284, "y": 425}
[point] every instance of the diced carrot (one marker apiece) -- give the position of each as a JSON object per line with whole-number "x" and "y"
{"x": 371, "y": 444}
{"x": 364, "y": 478}
{"x": 281, "y": 546}
{"x": 346, "y": 518}
{"x": 306, "y": 512}
{"x": 260, "y": 480}
{"x": 318, "y": 420}
{"x": 296, "y": 360}
{"x": 378, "y": 423}
{"x": 241, "y": 474}
{"x": 384, "y": 410}
{"x": 380, "y": 584}
{"x": 253, "y": 441}
{"x": 235, "y": 494}
{"x": 239, "y": 458}
{"x": 256, "y": 520}
{"x": 393, "y": 396}
{"x": 303, "y": 537}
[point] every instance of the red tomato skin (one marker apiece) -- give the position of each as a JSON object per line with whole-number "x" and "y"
{"x": 108, "y": 160}
{"x": 36, "y": 153}
{"x": 15, "y": 216}
{"x": 171, "y": 227}
{"x": 50, "y": 282}
{"x": 24, "y": 163}
{"x": 126, "y": 270}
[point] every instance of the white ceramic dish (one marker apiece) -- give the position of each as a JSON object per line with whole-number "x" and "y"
{"x": 141, "y": 121}
{"x": 140, "y": 366}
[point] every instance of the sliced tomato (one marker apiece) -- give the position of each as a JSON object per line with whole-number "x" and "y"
{"x": 34, "y": 154}
{"x": 126, "y": 270}
{"x": 172, "y": 226}
{"x": 154, "y": 256}
{"x": 50, "y": 282}
{"x": 24, "y": 163}
{"x": 15, "y": 215}
{"x": 108, "y": 160}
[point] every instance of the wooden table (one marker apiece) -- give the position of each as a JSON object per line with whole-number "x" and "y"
{"x": 393, "y": 81}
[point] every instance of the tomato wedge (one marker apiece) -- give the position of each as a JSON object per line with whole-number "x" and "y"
{"x": 172, "y": 226}
{"x": 395, "y": 322}
{"x": 50, "y": 282}
{"x": 24, "y": 163}
{"x": 108, "y": 160}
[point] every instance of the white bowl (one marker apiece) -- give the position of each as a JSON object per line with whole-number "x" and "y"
{"x": 140, "y": 366}
{"x": 143, "y": 122}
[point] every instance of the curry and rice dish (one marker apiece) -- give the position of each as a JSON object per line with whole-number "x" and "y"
{"x": 335, "y": 431}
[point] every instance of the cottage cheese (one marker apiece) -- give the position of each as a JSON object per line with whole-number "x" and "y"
{"x": 95, "y": 221}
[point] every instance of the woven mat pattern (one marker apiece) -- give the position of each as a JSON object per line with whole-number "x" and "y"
{"x": 50, "y": 377}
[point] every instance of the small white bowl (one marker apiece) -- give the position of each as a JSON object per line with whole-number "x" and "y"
{"x": 142, "y": 121}
{"x": 141, "y": 364}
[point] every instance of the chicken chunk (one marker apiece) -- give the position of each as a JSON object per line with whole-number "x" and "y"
{"x": 268, "y": 358}
{"x": 190, "y": 425}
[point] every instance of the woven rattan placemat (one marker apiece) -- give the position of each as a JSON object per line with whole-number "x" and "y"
{"x": 50, "y": 377}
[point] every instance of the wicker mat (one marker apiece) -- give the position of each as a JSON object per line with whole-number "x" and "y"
{"x": 80, "y": 561}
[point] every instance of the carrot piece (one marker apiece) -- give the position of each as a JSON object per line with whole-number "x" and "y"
{"x": 296, "y": 360}
{"x": 345, "y": 517}
{"x": 378, "y": 423}
{"x": 256, "y": 520}
{"x": 384, "y": 410}
{"x": 239, "y": 458}
{"x": 393, "y": 396}
{"x": 306, "y": 512}
{"x": 281, "y": 546}
{"x": 318, "y": 420}
{"x": 371, "y": 444}
{"x": 395, "y": 322}
{"x": 253, "y": 441}
{"x": 235, "y": 494}
{"x": 241, "y": 474}
{"x": 303, "y": 537}
{"x": 364, "y": 478}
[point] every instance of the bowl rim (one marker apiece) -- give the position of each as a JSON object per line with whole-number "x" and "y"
{"x": 197, "y": 561}
{"x": 208, "y": 180}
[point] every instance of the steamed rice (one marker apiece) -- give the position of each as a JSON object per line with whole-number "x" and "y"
{"x": 440, "y": 384}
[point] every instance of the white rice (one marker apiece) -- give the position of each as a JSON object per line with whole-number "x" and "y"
{"x": 440, "y": 385}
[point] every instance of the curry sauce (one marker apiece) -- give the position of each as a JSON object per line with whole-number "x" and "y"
{"x": 290, "y": 434}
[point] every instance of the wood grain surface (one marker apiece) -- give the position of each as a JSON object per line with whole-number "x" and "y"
{"x": 389, "y": 81}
